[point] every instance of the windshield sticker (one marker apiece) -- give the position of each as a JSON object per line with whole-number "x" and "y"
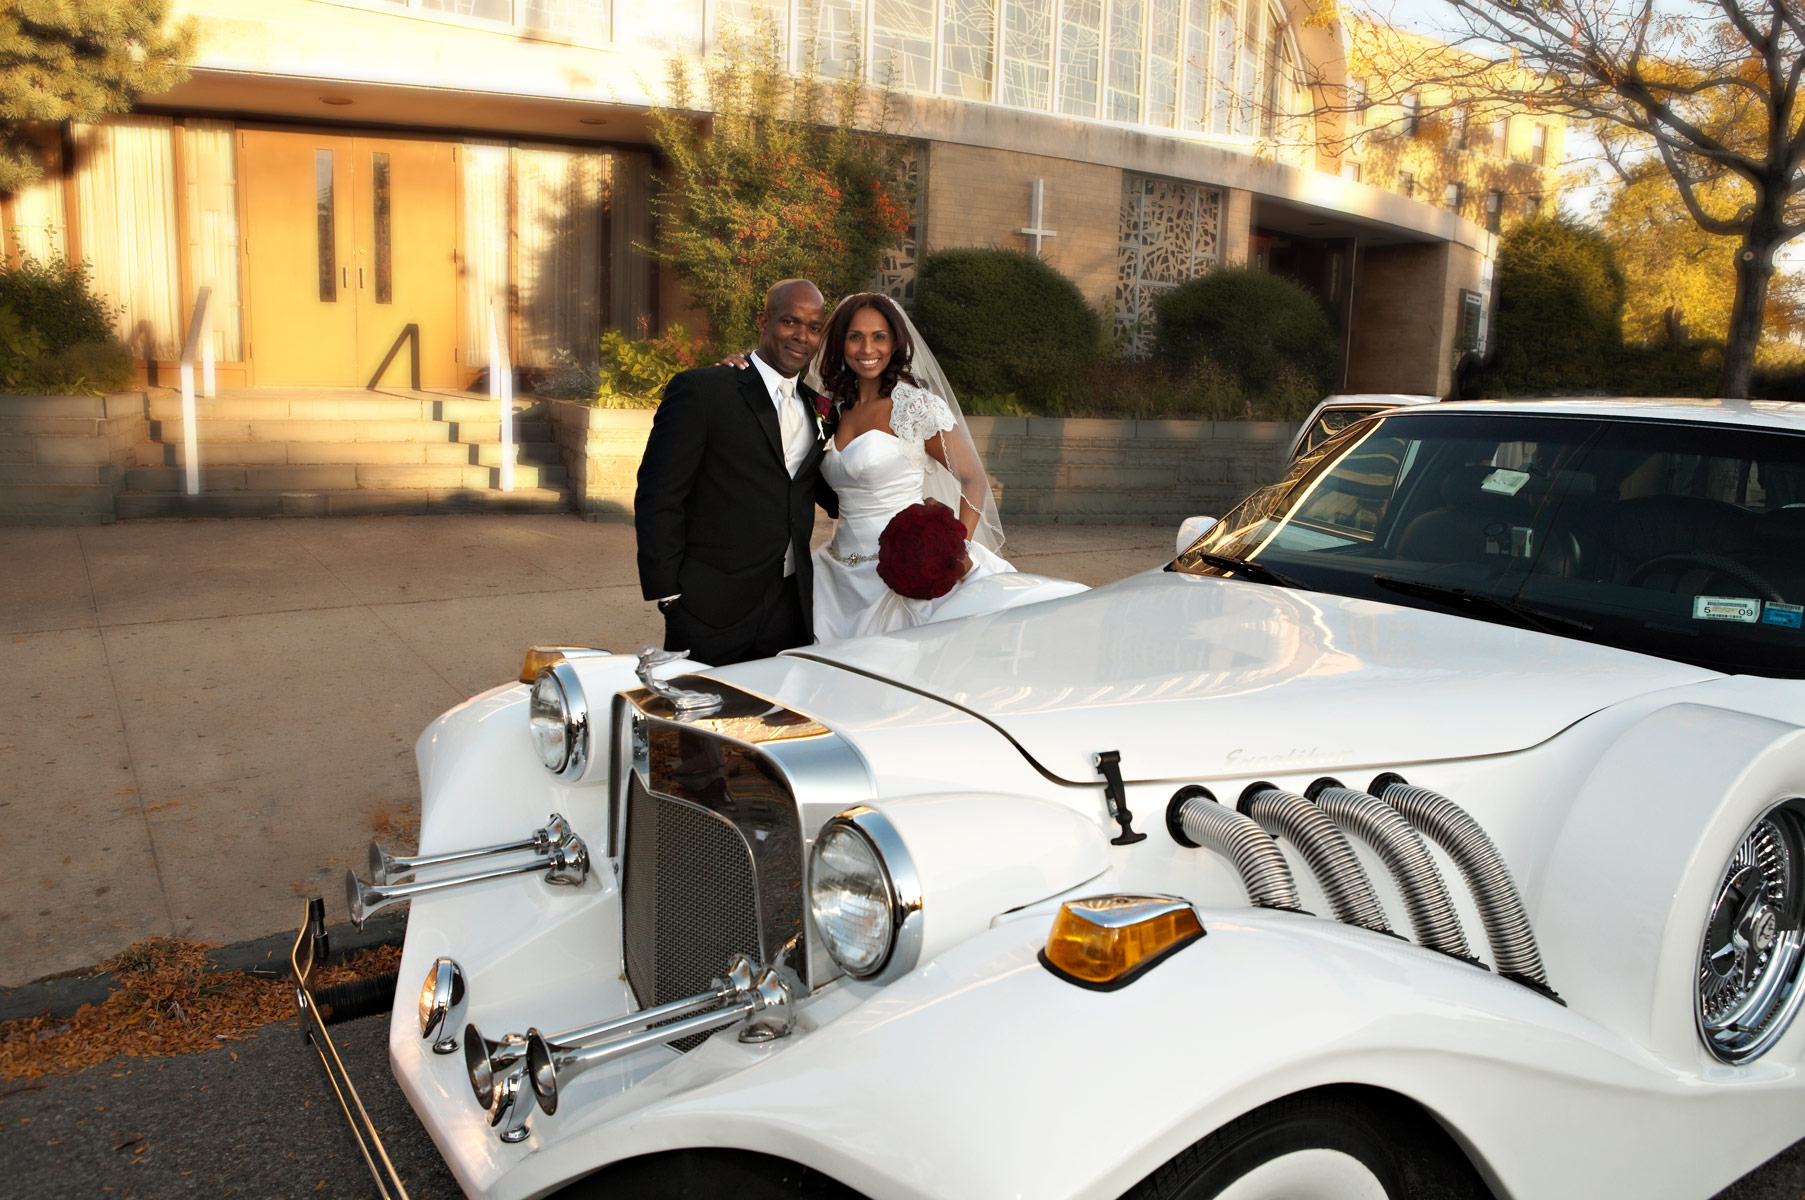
{"x": 1785, "y": 615}
{"x": 1503, "y": 482}
{"x": 1726, "y": 608}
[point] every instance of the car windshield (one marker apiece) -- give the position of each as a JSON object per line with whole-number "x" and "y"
{"x": 1681, "y": 540}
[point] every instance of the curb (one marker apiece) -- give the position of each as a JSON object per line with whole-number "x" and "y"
{"x": 264, "y": 957}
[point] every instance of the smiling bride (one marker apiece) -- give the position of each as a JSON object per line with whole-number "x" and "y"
{"x": 896, "y": 443}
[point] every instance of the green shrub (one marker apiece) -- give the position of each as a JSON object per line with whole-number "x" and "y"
{"x": 20, "y": 348}
{"x": 56, "y": 298}
{"x": 1560, "y": 310}
{"x": 84, "y": 369}
{"x": 1685, "y": 369}
{"x": 1003, "y": 322}
{"x": 1267, "y": 332}
{"x": 632, "y": 373}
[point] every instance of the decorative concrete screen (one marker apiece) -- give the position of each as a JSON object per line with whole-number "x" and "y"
{"x": 896, "y": 273}
{"x": 1170, "y": 232}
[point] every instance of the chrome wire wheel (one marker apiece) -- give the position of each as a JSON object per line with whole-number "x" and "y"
{"x": 1750, "y": 965}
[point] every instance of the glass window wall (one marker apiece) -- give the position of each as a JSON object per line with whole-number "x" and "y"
{"x": 1080, "y": 56}
{"x": 836, "y": 29}
{"x": 902, "y": 44}
{"x": 1027, "y": 53}
{"x": 1126, "y": 28}
{"x": 1165, "y": 32}
{"x": 967, "y": 49}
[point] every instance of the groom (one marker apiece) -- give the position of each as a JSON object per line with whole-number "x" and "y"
{"x": 727, "y": 494}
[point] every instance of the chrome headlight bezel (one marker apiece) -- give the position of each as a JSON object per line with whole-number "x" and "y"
{"x": 557, "y": 698}
{"x": 901, "y": 888}
{"x": 1754, "y": 928}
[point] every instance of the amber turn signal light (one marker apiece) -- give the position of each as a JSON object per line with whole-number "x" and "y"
{"x": 537, "y": 659}
{"x": 1107, "y": 942}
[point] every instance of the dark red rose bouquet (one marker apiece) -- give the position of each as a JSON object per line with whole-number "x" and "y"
{"x": 921, "y": 553}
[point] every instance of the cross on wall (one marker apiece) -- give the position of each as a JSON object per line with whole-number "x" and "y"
{"x": 1035, "y": 232}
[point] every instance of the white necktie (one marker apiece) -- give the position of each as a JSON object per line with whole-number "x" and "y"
{"x": 789, "y": 422}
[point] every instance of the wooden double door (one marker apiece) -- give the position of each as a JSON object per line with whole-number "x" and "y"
{"x": 349, "y": 241}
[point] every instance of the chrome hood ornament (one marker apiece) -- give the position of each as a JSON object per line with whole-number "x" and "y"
{"x": 687, "y": 703}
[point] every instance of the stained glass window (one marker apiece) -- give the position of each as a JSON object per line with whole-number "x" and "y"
{"x": 489, "y": 10}
{"x": 1246, "y": 96}
{"x": 1228, "y": 21}
{"x": 967, "y": 47}
{"x": 1080, "y": 56}
{"x": 902, "y": 44}
{"x": 1194, "y": 110}
{"x": 1027, "y": 52}
{"x": 587, "y": 19}
{"x": 1271, "y": 103}
{"x": 746, "y": 16}
{"x": 1164, "y": 34}
{"x": 836, "y": 28}
{"x": 1123, "y": 101}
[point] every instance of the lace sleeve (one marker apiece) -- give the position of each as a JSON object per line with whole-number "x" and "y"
{"x": 916, "y": 415}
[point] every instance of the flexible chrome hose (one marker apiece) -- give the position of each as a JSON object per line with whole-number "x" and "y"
{"x": 1380, "y": 826}
{"x": 1201, "y": 821}
{"x": 1513, "y": 942}
{"x": 1330, "y": 857}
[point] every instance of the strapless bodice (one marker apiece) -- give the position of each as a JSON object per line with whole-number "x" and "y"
{"x": 874, "y": 482}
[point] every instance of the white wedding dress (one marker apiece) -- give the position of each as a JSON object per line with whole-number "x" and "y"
{"x": 876, "y": 476}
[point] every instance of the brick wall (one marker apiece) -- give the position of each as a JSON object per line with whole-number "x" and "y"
{"x": 1077, "y": 472}
{"x": 980, "y": 197}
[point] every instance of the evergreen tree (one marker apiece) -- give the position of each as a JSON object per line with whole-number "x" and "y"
{"x": 78, "y": 60}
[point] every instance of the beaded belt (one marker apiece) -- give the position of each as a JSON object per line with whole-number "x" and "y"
{"x": 850, "y": 560}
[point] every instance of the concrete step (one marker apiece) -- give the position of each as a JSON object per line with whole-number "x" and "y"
{"x": 240, "y": 454}
{"x": 56, "y": 504}
{"x": 353, "y": 502}
{"x": 295, "y": 477}
{"x": 212, "y": 431}
{"x": 22, "y": 474}
{"x": 376, "y": 407}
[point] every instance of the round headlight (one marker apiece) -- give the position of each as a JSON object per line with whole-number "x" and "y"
{"x": 558, "y": 718}
{"x": 865, "y": 897}
{"x": 1750, "y": 966}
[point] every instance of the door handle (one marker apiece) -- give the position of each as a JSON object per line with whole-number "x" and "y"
{"x": 344, "y": 275}
{"x": 360, "y": 277}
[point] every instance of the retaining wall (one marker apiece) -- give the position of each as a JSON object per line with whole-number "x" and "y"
{"x": 63, "y": 458}
{"x": 1044, "y": 470}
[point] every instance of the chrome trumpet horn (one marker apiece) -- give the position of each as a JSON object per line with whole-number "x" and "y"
{"x": 566, "y": 863}
{"x": 487, "y": 1060}
{"x": 768, "y": 1005}
{"x": 386, "y": 868}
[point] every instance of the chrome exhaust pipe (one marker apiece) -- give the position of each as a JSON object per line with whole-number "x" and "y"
{"x": 768, "y": 1007}
{"x": 386, "y": 868}
{"x": 566, "y": 863}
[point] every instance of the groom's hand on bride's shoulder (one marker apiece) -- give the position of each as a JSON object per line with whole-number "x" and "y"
{"x": 739, "y": 360}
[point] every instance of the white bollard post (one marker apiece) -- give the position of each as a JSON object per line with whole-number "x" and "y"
{"x": 501, "y": 389}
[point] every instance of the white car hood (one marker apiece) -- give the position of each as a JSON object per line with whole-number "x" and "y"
{"x": 1192, "y": 677}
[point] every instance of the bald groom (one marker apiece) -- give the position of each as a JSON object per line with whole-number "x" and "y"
{"x": 727, "y": 493}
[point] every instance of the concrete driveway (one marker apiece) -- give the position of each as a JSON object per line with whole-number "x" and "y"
{"x": 203, "y": 720}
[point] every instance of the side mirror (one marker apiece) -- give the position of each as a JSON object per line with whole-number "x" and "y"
{"x": 1192, "y": 529}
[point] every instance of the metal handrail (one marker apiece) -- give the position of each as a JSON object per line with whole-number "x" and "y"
{"x": 410, "y": 333}
{"x": 199, "y": 338}
{"x": 501, "y": 386}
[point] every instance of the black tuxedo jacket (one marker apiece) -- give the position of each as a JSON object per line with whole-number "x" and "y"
{"x": 716, "y": 508}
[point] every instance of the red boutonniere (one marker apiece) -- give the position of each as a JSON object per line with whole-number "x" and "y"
{"x": 824, "y": 409}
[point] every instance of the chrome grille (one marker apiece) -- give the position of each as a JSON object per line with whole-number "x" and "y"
{"x": 689, "y": 897}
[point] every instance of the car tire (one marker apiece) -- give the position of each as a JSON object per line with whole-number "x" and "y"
{"x": 1331, "y": 1144}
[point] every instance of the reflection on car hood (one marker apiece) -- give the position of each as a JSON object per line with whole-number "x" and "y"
{"x": 1194, "y": 677}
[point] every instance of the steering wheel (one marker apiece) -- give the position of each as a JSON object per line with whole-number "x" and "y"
{"x": 1711, "y": 562}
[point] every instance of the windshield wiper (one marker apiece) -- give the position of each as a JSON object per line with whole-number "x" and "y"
{"x": 1245, "y": 567}
{"x": 1486, "y": 605}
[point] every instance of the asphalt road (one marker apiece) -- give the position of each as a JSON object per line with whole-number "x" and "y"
{"x": 265, "y": 1124}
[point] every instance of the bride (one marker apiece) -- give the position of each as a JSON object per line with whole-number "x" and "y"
{"x": 897, "y": 442}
